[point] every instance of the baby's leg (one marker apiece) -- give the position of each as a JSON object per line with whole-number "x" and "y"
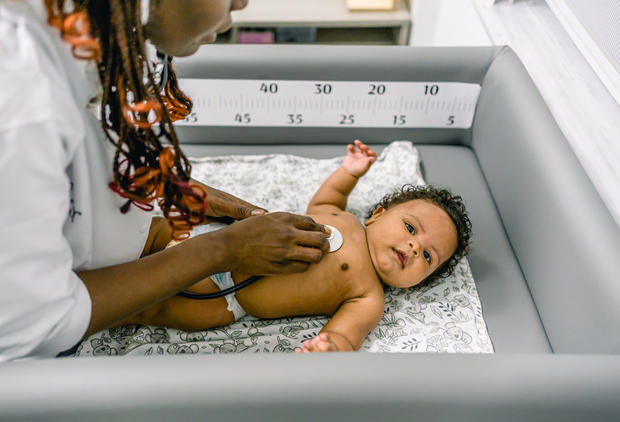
{"x": 187, "y": 314}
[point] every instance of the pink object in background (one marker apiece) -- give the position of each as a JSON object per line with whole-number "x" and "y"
{"x": 263, "y": 37}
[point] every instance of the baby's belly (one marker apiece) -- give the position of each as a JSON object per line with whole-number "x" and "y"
{"x": 309, "y": 293}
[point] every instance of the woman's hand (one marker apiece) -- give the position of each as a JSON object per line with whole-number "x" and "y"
{"x": 221, "y": 205}
{"x": 274, "y": 243}
{"x": 359, "y": 159}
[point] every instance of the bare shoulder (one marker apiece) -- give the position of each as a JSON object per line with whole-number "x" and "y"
{"x": 342, "y": 220}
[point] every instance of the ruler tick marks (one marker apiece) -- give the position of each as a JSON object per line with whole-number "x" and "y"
{"x": 422, "y": 104}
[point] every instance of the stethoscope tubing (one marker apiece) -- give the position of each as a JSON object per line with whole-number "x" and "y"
{"x": 215, "y": 295}
{"x": 335, "y": 241}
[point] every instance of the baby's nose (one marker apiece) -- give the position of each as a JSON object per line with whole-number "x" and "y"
{"x": 415, "y": 248}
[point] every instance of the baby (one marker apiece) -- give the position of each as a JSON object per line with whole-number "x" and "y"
{"x": 414, "y": 234}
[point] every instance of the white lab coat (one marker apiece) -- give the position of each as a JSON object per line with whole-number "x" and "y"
{"x": 57, "y": 214}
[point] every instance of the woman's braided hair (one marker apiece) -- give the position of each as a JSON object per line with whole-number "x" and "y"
{"x": 136, "y": 115}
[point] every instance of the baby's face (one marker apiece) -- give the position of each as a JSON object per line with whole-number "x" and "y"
{"x": 408, "y": 241}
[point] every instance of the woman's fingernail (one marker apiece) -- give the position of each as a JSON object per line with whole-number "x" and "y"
{"x": 258, "y": 212}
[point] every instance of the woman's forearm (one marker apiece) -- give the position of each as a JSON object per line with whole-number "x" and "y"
{"x": 275, "y": 243}
{"x": 120, "y": 291}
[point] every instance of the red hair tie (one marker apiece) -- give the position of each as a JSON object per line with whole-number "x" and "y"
{"x": 144, "y": 186}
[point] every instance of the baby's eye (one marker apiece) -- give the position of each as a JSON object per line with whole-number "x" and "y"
{"x": 410, "y": 228}
{"x": 427, "y": 256}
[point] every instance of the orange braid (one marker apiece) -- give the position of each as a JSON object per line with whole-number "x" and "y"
{"x": 179, "y": 106}
{"x": 110, "y": 33}
{"x": 75, "y": 31}
{"x": 191, "y": 208}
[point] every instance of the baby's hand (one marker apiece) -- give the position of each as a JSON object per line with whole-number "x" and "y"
{"x": 320, "y": 343}
{"x": 359, "y": 159}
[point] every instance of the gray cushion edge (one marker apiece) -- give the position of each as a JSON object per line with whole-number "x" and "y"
{"x": 330, "y": 386}
{"x": 509, "y": 311}
{"x": 542, "y": 192}
{"x": 510, "y": 314}
{"x": 310, "y": 62}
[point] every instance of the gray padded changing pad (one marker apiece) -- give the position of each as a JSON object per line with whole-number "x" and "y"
{"x": 510, "y": 314}
{"x": 440, "y": 316}
{"x": 520, "y": 179}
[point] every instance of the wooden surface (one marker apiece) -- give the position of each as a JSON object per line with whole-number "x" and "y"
{"x": 370, "y": 4}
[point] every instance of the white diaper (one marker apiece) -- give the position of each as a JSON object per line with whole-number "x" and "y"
{"x": 225, "y": 281}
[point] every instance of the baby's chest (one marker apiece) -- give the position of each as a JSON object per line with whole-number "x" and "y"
{"x": 341, "y": 275}
{"x": 347, "y": 270}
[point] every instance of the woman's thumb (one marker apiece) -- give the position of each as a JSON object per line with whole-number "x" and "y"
{"x": 242, "y": 212}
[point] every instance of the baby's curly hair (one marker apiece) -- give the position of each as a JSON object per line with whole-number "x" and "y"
{"x": 453, "y": 206}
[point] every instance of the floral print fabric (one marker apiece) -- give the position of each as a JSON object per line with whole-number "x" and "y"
{"x": 443, "y": 316}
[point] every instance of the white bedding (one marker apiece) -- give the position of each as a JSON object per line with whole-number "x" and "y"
{"x": 445, "y": 316}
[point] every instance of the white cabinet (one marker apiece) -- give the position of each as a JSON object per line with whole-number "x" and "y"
{"x": 334, "y": 23}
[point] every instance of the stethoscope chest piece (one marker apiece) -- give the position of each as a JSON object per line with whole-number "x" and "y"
{"x": 335, "y": 239}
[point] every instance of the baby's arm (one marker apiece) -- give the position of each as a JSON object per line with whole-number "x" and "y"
{"x": 334, "y": 192}
{"x": 348, "y": 327}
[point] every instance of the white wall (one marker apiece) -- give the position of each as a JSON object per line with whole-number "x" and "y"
{"x": 447, "y": 23}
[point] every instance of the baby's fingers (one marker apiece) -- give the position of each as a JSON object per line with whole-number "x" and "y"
{"x": 365, "y": 149}
{"x": 320, "y": 343}
{"x": 307, "y": 347}
{"x": 324, "y": 346}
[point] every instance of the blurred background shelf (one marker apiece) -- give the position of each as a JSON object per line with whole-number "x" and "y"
{"x": 324, "y": 21}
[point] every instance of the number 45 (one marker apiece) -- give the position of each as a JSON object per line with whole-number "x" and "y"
{"x": 243, "y": 118}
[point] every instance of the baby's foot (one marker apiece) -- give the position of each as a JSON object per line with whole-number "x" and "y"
{"x": 320, "y": 343}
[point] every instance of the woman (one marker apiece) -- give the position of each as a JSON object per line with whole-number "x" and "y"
{"x": 75, "y": 205}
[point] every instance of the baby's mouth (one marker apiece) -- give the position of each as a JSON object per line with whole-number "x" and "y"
{"x": 401, "y": 257}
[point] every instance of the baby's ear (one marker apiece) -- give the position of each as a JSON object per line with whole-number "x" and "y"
{"x": 378, "y": 212}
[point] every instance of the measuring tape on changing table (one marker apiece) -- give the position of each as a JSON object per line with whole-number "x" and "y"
{"x": 289, "y": 103}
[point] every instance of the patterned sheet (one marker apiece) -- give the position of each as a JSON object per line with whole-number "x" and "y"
{"x": 444, "y": 316}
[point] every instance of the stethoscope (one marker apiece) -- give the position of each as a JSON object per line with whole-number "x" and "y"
{"x": 335, "y": 242}
{"x": 164, "y": 72}
{"x": 205, "y": 296}
{"x": 335, "y": 239}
